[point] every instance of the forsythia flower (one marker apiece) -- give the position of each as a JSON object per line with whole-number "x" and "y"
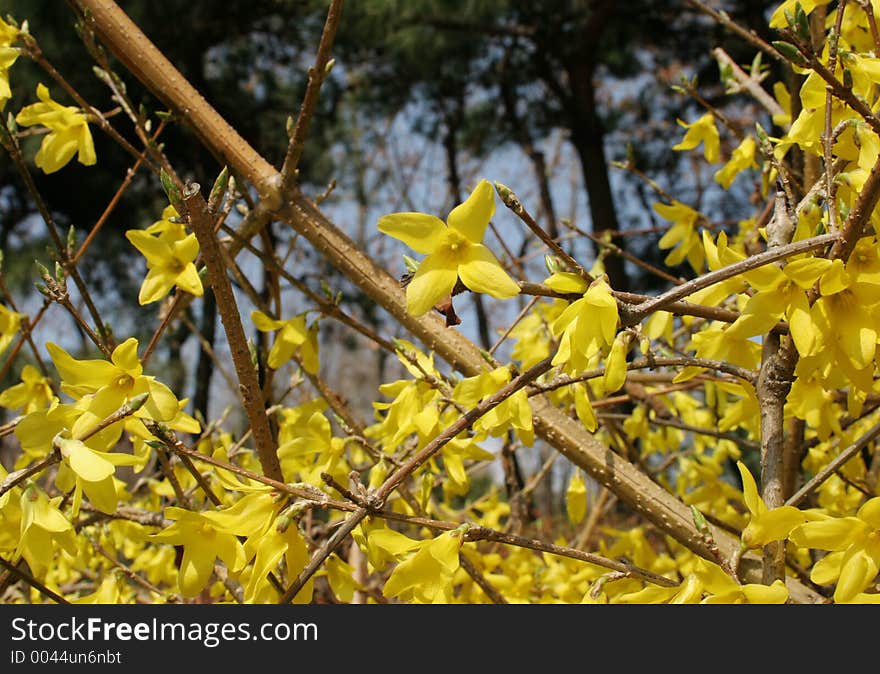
{"x": 743, "y": 157}
{"x": 765, "y": 525}
{"x": 10, "y": 322}
{"x": 701, "y": 131}
{"x": 32, "y": 394}
{"x": 587, "y": 325}
{"x": 68, "y": 132}
{"x": 454, "y": 251}
{"x": 293, "y": 334}
{"x": 102, "y": 387}
{"x": 170, "y": 258}
{"x": 576, "y": 498}
{"x": 855, "y": 545}
{"x": 684, "y": 233}
{"x": 42, "y": 525}
{"x": 8, "y": 54}
{"x": 426, "y": 577}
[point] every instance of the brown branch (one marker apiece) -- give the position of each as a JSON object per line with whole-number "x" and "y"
{"x": 13, "y": 570}
{"x": 317, "y": 74}
{"x": 202, "y": 225}
{"x": 146, "y": 62}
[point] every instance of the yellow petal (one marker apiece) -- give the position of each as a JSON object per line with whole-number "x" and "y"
{"x": 472, "y": 217}
{"x": 156, "y": 285}
{"x": 264, "y": 323}
{"x": 750, "y": 491}
{"x": 125, "y": 357}
{"x": 188, "y": 280}
{"x": 584, "y": 408}
{"x": 772, "y": 525}
{"x": 870, "y": 512}
{"x": 88, "y": 373}
{"x": 420, "y": 231}
{"x": 858, "y": 569}
{"x": 480, "y": 271}
{"x": 101, "y": 494}
{"x": 85, "y": 462}
{"x": 566, "y": 282}
{"x": 432, "y": 282}
{"x": 832, "y": 534}
{"x": 776, "y": 593}
{"x": 576, "y": 498}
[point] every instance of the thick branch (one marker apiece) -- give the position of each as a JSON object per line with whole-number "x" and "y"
{"x": 251, "y": 394}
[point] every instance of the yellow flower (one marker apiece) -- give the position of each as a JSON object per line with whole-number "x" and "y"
{"x": 854, "y": 543}
{"x": 701, "y": 131}
{"x": 170, "y": 258}
{"x": 89, "y": 472}
{"x": 586, "y": 326}
{"x": 10, "y": 323}
{"x": 426, "y": 577}
{"x": 514, "y": 412}
{"x": 202, "y": 543}
{"x": 765, "y": 525}
{"x": 293, "y": 335}
{"x": 454, "y": 251}
{"x": 42, "y": 524}
{"x": 576, "y": 498}
{"x": 68, "y": 132}
{"x": 32, "y": 394}
{"x": 103, "y": 387}
{"x": 682, "y": 237}
{"x": 743, "y": 157}
{"x": 8, "y": 54}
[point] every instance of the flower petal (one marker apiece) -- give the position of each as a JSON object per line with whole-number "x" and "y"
{"x": 156, "y": 285}
{"x": 89, "y": 373}
{"x": 420, "y": 231}
{"x": 481, "y": 272}
{"x": 472, "y": 217}
{"x": 433, "y": 281}
{"x": 125, "y": 357}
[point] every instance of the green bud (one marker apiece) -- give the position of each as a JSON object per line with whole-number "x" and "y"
{"x": 802, "y": 23}
{"x": 329, "y": 67}
{"x": 44, "y": 273}
{"x": 504, "y": 191}
{"x": 71, "y": 239}
{"x": 218, "y": 190}
{"x": 252, "y": 349}
{"x": 552, "y": 263}
{"x": 136, "y": 402}
{"x": 171, "y": 190}
{"x": 412, "y": 265}
{"x": 755, "y": 68}
{"x": 791, "y": 52}
{"x": 699, "y": 520}
{"x": 761, "y": 133}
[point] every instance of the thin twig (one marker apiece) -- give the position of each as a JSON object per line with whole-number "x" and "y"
{"x": 317, "y": 74}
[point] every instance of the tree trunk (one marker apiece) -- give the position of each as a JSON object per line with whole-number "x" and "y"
{"x": 588, "y": 138}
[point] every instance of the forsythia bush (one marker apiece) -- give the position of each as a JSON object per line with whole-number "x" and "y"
{"x": 770, "y": 348}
